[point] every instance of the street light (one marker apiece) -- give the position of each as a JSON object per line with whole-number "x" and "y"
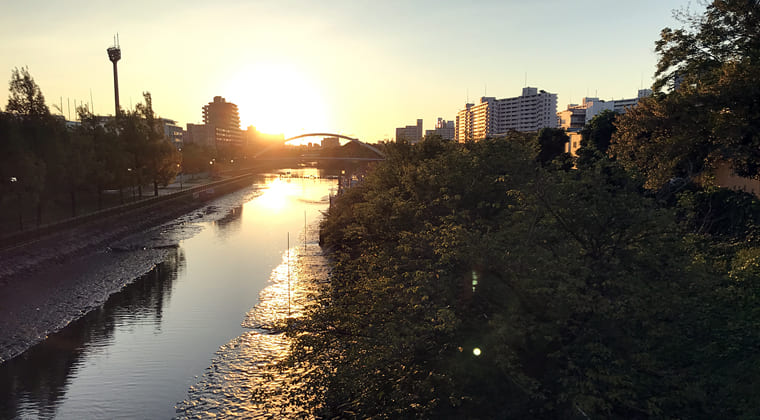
{"x": 14, "y": 186}
{"x": 179, "y": 168}
{"x": 132, "y": 182}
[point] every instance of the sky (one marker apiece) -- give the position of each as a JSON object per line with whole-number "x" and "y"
{"x": 358, "y": 68}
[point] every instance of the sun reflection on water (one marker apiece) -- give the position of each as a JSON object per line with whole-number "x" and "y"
{"x": 241, "y": 368}
{"x": 276, "y": 195}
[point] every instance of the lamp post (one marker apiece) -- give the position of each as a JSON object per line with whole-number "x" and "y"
{"x": 14, "y": 186}
{"x": 179, "y": 166}
{"x": 132, "y": 183}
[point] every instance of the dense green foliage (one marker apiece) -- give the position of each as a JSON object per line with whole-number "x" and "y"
{"x": 491, "y": 280}
{"x": 585, "y": 297}
{"x": 46, "y": 165}
{"x": 713, "y": 115}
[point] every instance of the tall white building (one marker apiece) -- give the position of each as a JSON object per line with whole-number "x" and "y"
{"x": 533, "y": 110}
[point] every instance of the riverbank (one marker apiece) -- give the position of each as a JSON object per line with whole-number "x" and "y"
{"x": 101, "y": 254}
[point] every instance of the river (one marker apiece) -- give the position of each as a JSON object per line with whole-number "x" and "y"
{"x": 190, "y": 338}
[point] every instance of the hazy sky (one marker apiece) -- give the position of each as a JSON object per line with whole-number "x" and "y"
{"x": 353, "y": 67}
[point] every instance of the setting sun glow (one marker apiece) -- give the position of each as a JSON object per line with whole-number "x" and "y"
{"x": 275, "y": 197}
{"x": 278, "y": 99}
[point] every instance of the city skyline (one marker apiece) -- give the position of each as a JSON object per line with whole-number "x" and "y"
{"x": 357, "y": 68}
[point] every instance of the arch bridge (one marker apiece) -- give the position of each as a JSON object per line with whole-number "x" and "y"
{"x": 377, "y": 151}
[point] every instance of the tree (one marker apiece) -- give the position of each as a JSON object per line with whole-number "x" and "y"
{"x": 153, "y": 158}
{"x": 714, "y": 116}
{"x": 195, "y": 158}
{"x": 161, "y": 157}
{"x": 664, "y": 137}
{"x": 578, "y": 289}
{"x": 725, "y": 33}
{"x": 599, "y": 131}
{"x": 551, "y": 144}
{"x": 25, "y": 96}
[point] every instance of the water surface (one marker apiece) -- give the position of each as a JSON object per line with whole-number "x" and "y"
{"x": 189, "y": 333}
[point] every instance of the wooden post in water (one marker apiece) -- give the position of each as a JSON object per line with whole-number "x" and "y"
{"x": 288, "y": 274}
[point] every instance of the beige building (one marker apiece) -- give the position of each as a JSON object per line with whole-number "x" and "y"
{"x": 573, "y": 144}
{"x": 726, "y": 178}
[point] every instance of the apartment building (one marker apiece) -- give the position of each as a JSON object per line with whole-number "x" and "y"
{"x": 576, "y": 116}
{"x": 533, "y": 110}
{"x": 223, "y": 122}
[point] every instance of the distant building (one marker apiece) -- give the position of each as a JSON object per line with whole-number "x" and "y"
{"x": 197, "y": 134}
{"x": 257, "y": 139}
{"x": 573, "y": 143}
{"x": 223, "y": 122}
{"x": 533, "y": 110}
{"x": 173, "y": 132}
{"x": 573, "y": 119}
{"x": 410, "y": 133}
{"x": 443, "y": 128}
{"x": 464, "y": 124}
{"x": 330, "y": 142}
{"x": 576, "y": 116}
{"x": 621, "y": 105}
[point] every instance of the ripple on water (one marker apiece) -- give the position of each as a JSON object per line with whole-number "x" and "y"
{"x": 241, "y": 367}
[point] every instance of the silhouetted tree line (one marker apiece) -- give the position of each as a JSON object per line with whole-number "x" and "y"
{"x": 503, "y": 279}
{"x": 46, "y": 166}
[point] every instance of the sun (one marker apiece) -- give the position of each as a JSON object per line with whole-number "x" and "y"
{"x": 278, "y": 99}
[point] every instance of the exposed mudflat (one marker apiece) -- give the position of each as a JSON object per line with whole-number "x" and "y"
{"x": 46, "y": 285}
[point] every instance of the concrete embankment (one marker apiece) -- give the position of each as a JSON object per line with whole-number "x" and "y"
{"x": 23, "y": 251}
{"x": 190, "y": 196}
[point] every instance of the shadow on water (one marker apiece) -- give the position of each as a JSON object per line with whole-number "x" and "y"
{"x": 231, "y": 221}
{"x": 34, "y": 382}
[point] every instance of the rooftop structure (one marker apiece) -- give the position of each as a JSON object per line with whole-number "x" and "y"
{"x": 443, "y": 128}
